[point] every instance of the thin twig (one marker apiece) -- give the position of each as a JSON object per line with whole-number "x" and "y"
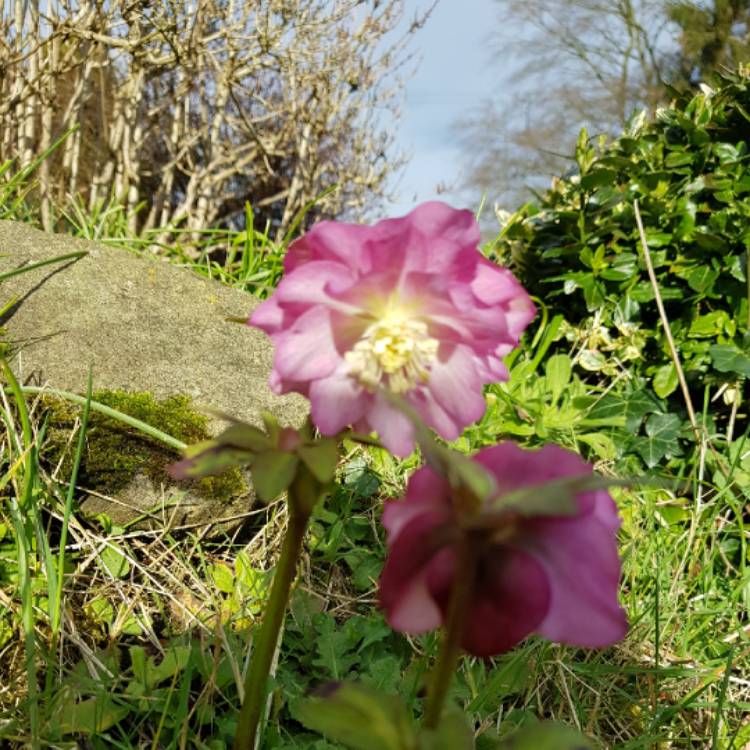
{"x": 667, "y": 330}
{"x": 700, "y": 433}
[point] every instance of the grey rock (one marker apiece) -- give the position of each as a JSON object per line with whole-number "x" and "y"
{"x": 144, "y": 325}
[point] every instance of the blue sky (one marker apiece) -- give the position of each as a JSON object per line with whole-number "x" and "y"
{"x": 455, "y": 73}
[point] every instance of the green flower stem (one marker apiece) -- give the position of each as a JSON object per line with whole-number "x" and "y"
{"x": 264, "y": 644}
{"x": 450, "y": 650}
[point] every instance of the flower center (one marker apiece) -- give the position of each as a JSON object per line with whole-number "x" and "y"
{"x": 395, "y": 349}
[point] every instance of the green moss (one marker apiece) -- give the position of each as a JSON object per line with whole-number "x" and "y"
{"x": 115, "y": 453}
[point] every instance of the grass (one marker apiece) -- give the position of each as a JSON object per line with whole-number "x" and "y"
{"x": 126, "y": 638}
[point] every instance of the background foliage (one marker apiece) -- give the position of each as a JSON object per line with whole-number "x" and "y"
{"x": 577, "y": 249}
{"x": 127, "y": 638}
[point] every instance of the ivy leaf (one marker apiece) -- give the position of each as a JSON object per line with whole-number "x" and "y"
{"x": 272, "y": 473}
{"x": 728, "y": 358}
{"x": 357, "y": 716}
{"x": 665, "y": 380}
{"x": 632, "y": 408}
{"x": 662, "y": 431}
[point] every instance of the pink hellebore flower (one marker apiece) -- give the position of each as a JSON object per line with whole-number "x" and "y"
{"x": 408, "y": 304}
{"x": 553, "y": 575}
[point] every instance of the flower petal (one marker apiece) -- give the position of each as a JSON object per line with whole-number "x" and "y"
{"x": 306, "y": 350}
{"x": 455, "y": 384}
{"x": 395, "y": 429}
{"x": 434, "y": 415}
{"x": 580, "y": 558}
{"x": 578, "y": 553}
{"x": 514, "y": 467}
{"x": 267, "y": 316}
{"x": 415, "y": 611}
{"x": 337, "y": 401}
{"x": 439, "y": 221}
{"x": 403, "y": 582}
{"x": 509, "y": 598}
{"x": 316, "y": 283}
{"x": 512, "y": 597}
{"x": 332, "y": 240}
{"x": 426, "y": 490}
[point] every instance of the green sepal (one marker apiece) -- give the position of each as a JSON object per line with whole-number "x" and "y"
{"x": 273, "y": 472}
{"x": 241, "y": 435}
{"x": 556, "y": 497}
{"x": 321, "y": 458}
{"x": 207, "y": 458}
{"x": 272, "y": 426}
{"x": 471, "y": 480}
{"x": 235, "y": 446}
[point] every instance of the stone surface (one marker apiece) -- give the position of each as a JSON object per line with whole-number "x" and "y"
{"x": 144, "y": 325}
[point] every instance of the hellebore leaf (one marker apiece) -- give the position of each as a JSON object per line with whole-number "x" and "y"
{"x": 359, "y": 717}
{"x": 547, "y": 735}
{"x": 452, "y": 733}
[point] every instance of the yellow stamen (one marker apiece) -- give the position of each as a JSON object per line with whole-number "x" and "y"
{"x": 396, "y": 351}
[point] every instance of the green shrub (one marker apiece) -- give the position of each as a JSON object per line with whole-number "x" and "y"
{"x": 577, "y": 249}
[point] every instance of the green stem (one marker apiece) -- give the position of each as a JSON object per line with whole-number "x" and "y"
{"x": 264, "y": 645}
{"x": 450, "y": 650}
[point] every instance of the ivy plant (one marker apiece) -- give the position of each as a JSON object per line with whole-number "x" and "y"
{"x": 577, "y": 247}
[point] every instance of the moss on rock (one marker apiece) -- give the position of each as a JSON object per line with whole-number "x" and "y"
{"x": 116, "y": 453}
